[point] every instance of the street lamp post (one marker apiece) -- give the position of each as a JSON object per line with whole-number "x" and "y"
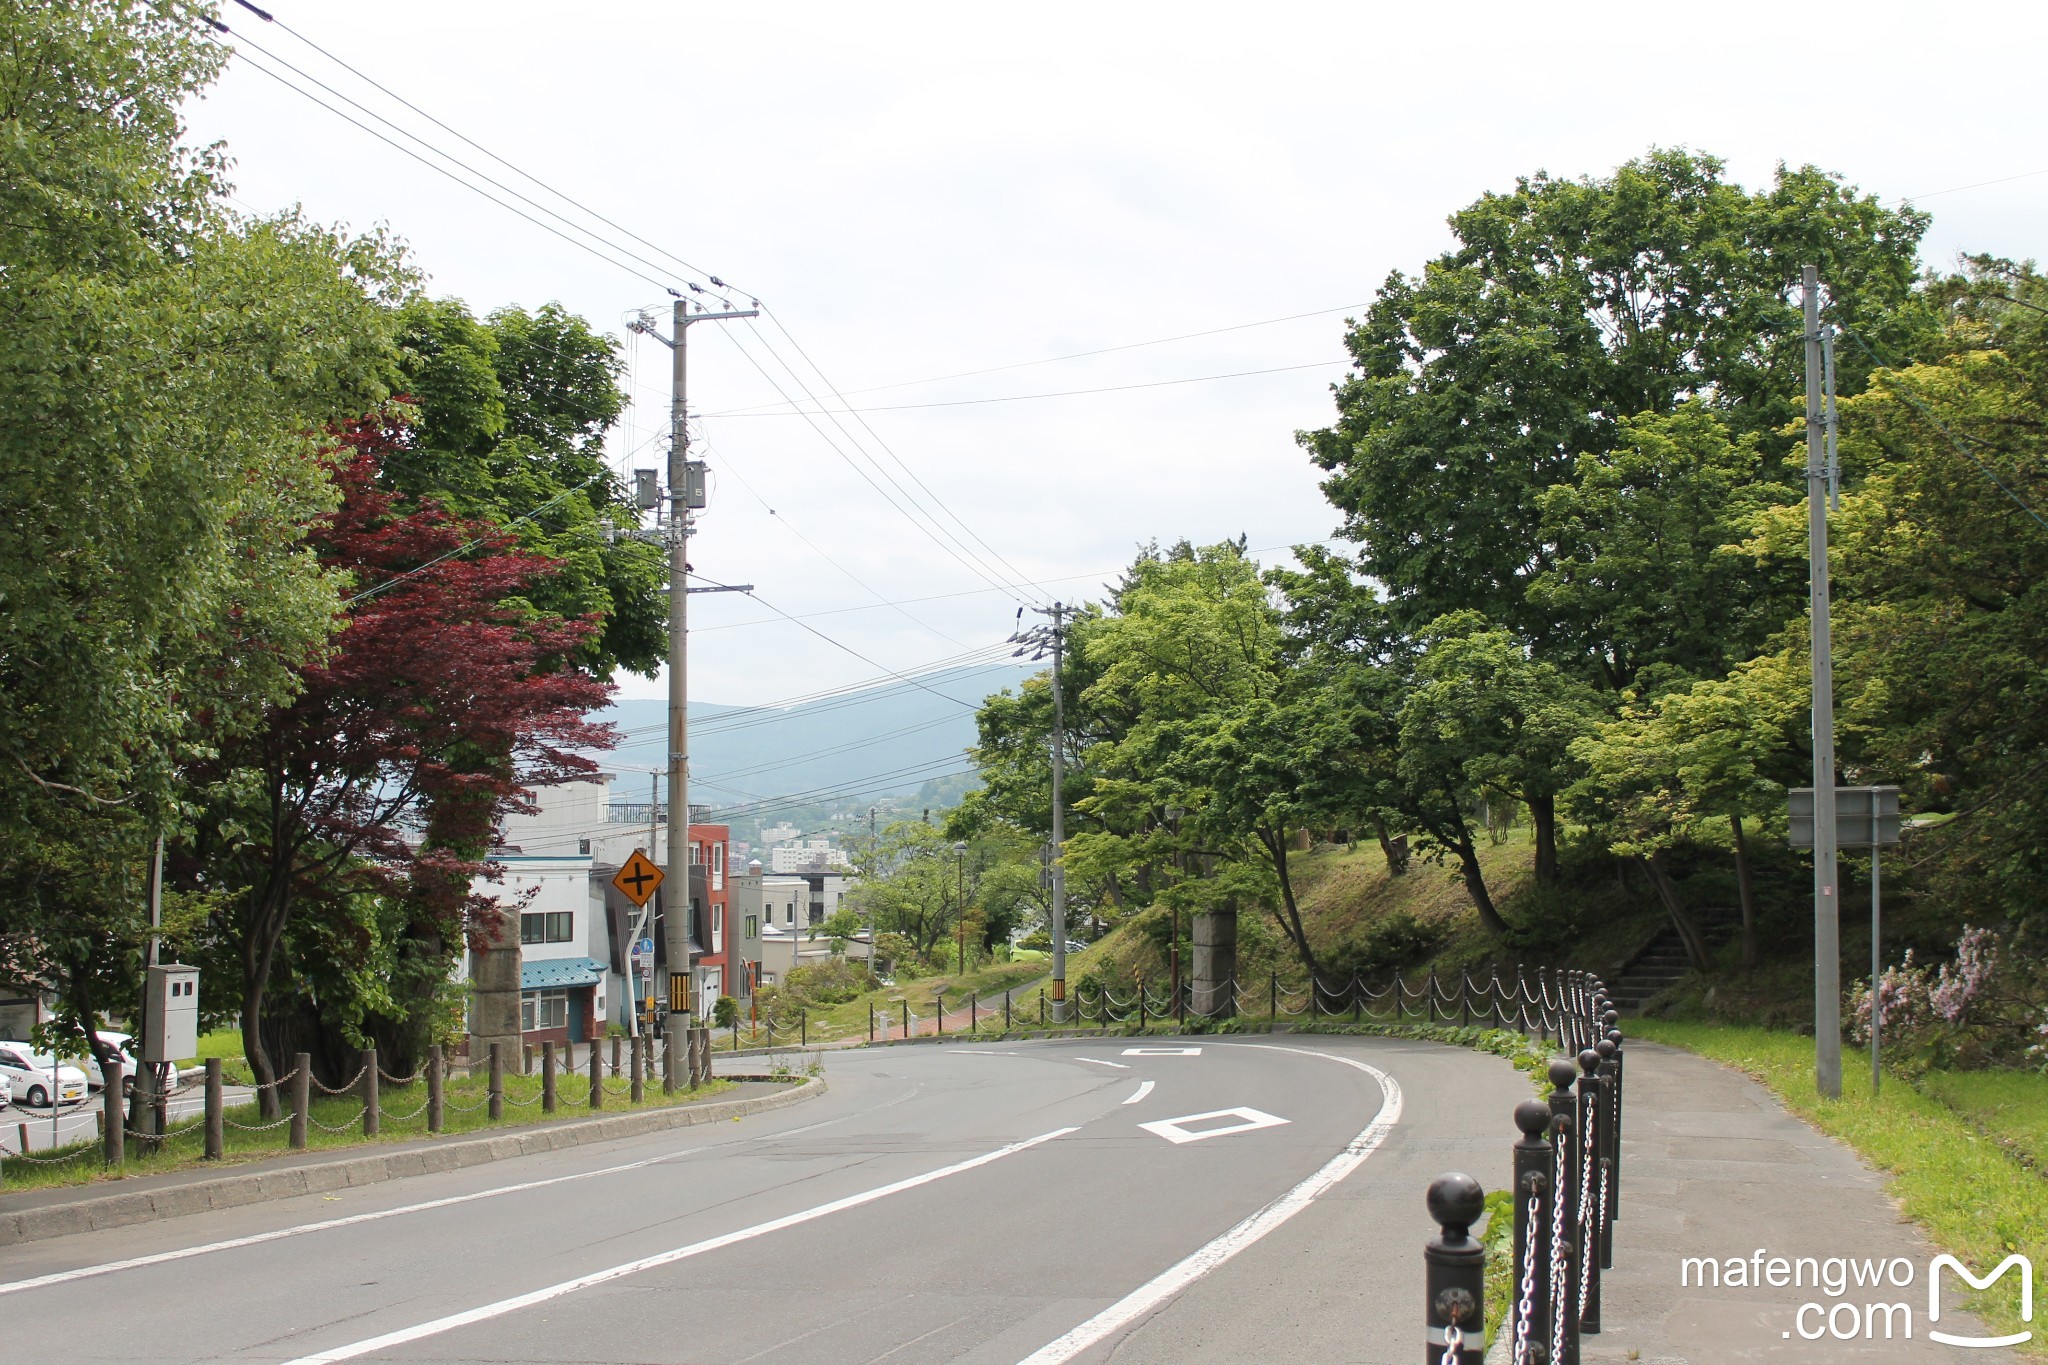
{"x": 960, "y": 870}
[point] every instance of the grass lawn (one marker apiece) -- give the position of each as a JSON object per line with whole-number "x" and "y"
{"x": 837, "y": 1023}
{"x": 1958, "y": 1146}
{"x": 336, "y": 1122}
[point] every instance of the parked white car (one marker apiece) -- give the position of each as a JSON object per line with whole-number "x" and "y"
{"x": 131, "y": 1055}
{"x": 6, "y": 1092}
{"x": 31, "y": 1075}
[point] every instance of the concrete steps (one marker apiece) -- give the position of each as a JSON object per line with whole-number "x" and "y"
{"x": 1662, "y": 963}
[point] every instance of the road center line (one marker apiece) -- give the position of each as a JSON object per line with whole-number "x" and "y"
{"x": 1156, "y": 1291}
{"x": 488, "y": 1311}
{"x": 1144, "y": 1089}
{"x": 1097, "y": 1061}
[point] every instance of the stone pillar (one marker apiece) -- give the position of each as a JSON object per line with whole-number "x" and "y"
{"x": 494, "y": 986}
{"x": 1214, "y": 978}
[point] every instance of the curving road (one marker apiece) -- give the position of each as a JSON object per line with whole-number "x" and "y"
{"x": 989, "y": 1203}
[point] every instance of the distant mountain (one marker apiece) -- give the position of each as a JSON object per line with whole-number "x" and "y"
{"x": 890, "y": 738}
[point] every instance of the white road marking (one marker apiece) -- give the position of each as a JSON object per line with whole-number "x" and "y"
{"x": 327, "y": 1224}
{"x": 1162, "y": 1052}
{"x": 484, "y": 1313}
{"x": 1144, "y": 1089}
{"x": 1164, "y": 1286}
{"x": 1099, "y": 1062}
{"x": 1176, "y": 1131}
{"x": 279, "y": 1234}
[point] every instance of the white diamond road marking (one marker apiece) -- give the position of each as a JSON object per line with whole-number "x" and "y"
{"x": 1162, "y": 1052}
{"x": 1176, "y": 1130}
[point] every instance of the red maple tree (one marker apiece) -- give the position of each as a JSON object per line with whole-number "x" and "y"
{"x": 444, "y": 699}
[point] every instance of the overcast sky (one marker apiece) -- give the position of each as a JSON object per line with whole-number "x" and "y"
{"x": 920, "y": 190}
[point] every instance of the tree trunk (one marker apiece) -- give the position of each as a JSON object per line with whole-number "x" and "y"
{"x": 1395, "y": 854}
{"x": 1681, "y": 919}
{"x": 1275, "y": 843}
{"x": 1543, "y": 817}
{"x": 1747, "y": 888}
{"x": 1475, "y": 884}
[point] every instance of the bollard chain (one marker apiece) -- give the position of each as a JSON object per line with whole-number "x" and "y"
{"x": 1560, "y": 1247}
{"x": 1525, "y": 1303}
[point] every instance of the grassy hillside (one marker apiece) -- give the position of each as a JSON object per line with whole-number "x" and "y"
{"x": 1361, "y": 918}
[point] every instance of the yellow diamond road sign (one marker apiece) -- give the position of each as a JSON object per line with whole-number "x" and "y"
{"x": 638, "y": 879}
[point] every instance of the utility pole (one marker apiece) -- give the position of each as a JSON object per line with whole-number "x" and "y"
{"x": 685, "y": 495}
{"x": 1038, "y": 642}
{"x": 868, "y": 873}
{"x": 1827, "y": 945}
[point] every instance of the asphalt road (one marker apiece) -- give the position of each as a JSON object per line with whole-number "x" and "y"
{"x": 996, "y": 1203}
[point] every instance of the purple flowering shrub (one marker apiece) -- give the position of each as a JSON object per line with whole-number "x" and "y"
{"x": 1979, "y": 1009}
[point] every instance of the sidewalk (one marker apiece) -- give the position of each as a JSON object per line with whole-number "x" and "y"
{"x": 1713, "y": 1166}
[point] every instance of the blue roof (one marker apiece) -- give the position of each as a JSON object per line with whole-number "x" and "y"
{"x": 556, "y": 972}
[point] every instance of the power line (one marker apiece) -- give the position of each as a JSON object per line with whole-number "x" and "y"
{"x": 836, "y": 449}
{"x": 443, "y": 170}
{"x": 849, "y": 649}
{"x": 887, "y": 448}
{"x": 515, "y": 169}
{"x": 812, "y": 545}
{"x": 1960, "y": 444}
{"x": 1083, "y": 355}
{"x": 1027, "y": 397}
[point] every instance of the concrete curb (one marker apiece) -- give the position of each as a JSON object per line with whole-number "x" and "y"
{"x": 251, "y": 1187}
{"x": 1013, "y": 1036}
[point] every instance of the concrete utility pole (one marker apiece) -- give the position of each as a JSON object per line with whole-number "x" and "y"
{"x": 1038, "y": 642}
{"x": 685, "y": 495}
{"x": 869, "y": 873}
{"x": 1827, "y": 943}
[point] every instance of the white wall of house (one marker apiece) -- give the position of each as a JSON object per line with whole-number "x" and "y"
{"x": 557, "y": 922}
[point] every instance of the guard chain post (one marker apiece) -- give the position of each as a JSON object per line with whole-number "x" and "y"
{"x": 1564, "y": 1262}
{"x": 1533, "y": 1161}
{"x": 1454, "y": 1274}
{"x": 1591, "y": 1198}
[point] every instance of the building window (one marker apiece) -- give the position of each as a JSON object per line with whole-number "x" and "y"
{"x": 717, "y": 928}
{"x": 543, "y": 1009}
{"x": 753, "y": 926}
{"x": 553, "y": 926}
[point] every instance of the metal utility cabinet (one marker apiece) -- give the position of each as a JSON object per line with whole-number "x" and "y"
{"x": 170, "y": 1006}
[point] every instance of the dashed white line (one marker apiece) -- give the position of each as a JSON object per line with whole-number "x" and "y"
{"x": 1144, "y": 1089}
{"x": 1099, "y": 1062}
{"x": 488, "y": 1311}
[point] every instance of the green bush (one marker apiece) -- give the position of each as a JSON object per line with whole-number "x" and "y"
{"x": 833, "y": 982}
{"x": 726, "y": 1012}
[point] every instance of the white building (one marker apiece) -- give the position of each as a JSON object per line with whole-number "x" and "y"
{"x": 564, "y": 945}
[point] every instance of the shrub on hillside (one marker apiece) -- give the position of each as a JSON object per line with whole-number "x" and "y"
{"x": 1385, "y": 945}
{"x": 1982, "y": 1008}
{"x": 832, "y": 982}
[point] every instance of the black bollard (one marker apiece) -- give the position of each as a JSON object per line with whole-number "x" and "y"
{"x": 1529, "y": 1315}
{"x": 1592, "y": 1171}
{"x": 1610, "y": 1147}
{"x": 1564, "y": 1220}
{"x": 1454, "y": 1274}
{"x": 1614, "y": 1037}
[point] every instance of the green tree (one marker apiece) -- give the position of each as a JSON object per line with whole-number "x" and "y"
{"x": 163, "y": 373}
{"x": 1639, "y": 577}
{"x": 1684, "y": 765}
{"x": 1504, "y": 721}
{"x": 1567, "y": 307}
{"x": 513, "y": 410}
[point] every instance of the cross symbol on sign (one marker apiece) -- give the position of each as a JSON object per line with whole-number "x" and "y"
{"x": 638, "y": 878}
